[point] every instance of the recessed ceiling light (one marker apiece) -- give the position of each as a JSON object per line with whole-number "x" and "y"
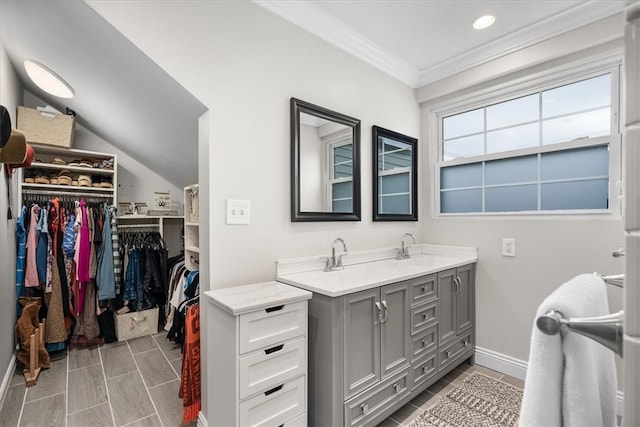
{"x": 484, "y": 22}
{"x": 47, "y": 80}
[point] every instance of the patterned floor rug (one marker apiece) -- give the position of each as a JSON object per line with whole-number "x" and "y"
{"x": 478, "y": 400}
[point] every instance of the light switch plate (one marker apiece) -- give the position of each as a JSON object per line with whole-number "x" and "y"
{"x": 238, "y": 211}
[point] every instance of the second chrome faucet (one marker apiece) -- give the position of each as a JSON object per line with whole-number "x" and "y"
{"x": 403, "y": 252}
{"x": 332, "y": 263}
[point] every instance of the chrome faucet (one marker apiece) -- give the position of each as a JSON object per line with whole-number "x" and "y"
{"x": 332, "y": 263}
{"x": 403, "y": 252}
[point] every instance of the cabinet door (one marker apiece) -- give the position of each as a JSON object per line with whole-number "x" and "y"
{"x": 464, "y": 298}
{"x": 361, "y": 340}
{"x": 447, "y": 314}
{"x": 395, "y": 350}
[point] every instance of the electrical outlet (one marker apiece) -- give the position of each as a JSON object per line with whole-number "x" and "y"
{"x": 509, "y": 247}
{"x": 238, "y": 211}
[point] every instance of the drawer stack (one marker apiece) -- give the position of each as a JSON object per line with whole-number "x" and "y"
{"x": 424, "y": 329}
{"x": 257, "y": 363}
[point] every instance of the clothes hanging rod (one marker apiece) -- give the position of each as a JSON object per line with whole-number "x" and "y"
{"x": 607, "y": 330}
{"x": 139, "y": 226}
{"x": 67, "y": 193}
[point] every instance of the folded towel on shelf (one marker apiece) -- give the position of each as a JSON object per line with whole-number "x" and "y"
{"x": 571, "y": 379}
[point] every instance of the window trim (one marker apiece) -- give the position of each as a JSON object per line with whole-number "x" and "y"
{"x": 336, "y": 142}
{"x": 504, "y": 92}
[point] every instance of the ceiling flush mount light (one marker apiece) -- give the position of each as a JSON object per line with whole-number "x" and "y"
{"x": 484, "y": 22}
{"x": 47, "y": 80}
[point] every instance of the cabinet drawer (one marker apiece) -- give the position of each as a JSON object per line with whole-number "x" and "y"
{"x": 424, "y": 316}
{"x": 424, "y": 289}
{"x": 275, "y": 406}
{"x": 423, "y": 369}
{"x": 424, "y": 342}
{"x": 457, "y": 348}
{"x": 366, "y": 406}
{"x": 299, "y": 421}
{"x": 264, "y": 369}
{"x": 265, "y": 328}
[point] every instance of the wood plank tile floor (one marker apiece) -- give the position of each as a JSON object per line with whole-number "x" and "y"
{"x": 132, "y": 383}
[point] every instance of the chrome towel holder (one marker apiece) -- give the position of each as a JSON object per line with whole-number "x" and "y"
{"x": 607, "y": 330}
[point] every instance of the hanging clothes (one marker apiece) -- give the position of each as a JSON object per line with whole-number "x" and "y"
{"x": 31, "y": 272}
{"x": 191, "y": 379}
{"x": 42, "y": 246}
{"x": 21, "y": 256}
{"x": 105, "y": 276}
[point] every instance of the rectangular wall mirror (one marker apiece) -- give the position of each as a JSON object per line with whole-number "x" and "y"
{"x": 325, "y": 164}
{"x": 395, "y": 176}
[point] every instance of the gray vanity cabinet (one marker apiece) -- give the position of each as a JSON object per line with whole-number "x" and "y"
{"x": 376, "y": 335}
{"x": 372, "y": 351}
{"x": 456, "y": 313}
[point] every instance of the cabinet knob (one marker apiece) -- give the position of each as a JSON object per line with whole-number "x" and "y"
{"x": 424, "y": 289}
{"x": 424, "y": 343}
{"x": 447, "y": 354}
{"x": 425, "y": 316}
{"x": 396, "y": 387}
{"x": 466, "y": 343}
{"x": 365, "y": 408}
{"x": 424, "y": 369}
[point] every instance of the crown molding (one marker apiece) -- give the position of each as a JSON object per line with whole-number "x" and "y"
{"x": 318, "y": 22}
{"x": 311, "y": 18}
{"x": 570, "y": 19}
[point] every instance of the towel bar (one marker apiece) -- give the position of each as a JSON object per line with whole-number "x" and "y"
{"x": 615, "y": 280}
{"x": 607, "y": 330}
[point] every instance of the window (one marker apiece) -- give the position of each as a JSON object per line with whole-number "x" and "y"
{"x": 341, "y": 176}
{"x": 548, "y": 150}
{"x": 394, "y": 176}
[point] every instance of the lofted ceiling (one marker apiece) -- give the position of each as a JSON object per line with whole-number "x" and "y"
{"x": 121, "y": 95}
{"x": 128, "y": 100}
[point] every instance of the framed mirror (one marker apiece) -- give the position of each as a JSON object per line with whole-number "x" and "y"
{"x": 395, "y": 176}
{"x": 325, "y": 164}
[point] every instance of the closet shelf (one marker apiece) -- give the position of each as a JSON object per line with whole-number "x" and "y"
{"x": 192, "y": 249}
{"x": 68, "y": 188}
{"x": 192, "y": 224}
{"x": 80, "y": 169}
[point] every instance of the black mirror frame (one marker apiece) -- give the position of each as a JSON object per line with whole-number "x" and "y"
{"x": 376, "y": 132}
{"x": 298, "y": 106}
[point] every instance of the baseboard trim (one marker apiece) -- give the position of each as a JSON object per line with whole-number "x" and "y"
{"x": 202, "y": 421}
{"x": 502, "y": 363}
{"x": 518, "y": 368}
{"x": 6, "y": 381}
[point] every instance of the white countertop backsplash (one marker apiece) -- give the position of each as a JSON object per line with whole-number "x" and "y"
{"x": 372, "y": 268}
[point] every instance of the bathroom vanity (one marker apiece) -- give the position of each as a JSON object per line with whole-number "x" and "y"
{"x": 382, "y": 330}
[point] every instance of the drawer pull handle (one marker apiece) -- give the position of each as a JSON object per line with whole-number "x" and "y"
{"x": 365, "y": 408}
{"x": 276, "y": 348}
{"x": 424, "y": 289}
{"x": 273, "y": 390}
{"x": 466, "y": 343}
{"x": 447, "y": 354}
{"x": 424, "y": 369}
{"x": 274, "y": 308}
{"x": 396, "y": 387}
{"x": 425, "y": 316}
{"x": 424, "y": 343}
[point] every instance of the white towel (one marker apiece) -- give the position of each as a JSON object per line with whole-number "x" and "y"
{"x": 571, "y": 379}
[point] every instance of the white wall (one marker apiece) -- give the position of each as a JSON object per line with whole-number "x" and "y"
{"x": 245, "y": 63}
{"x": 10, "y": 97}
{"x": 549, "y": 250}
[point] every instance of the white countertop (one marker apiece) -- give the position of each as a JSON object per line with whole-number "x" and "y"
{"x": 425, "y": 259}
{"x": 243, "y": 299}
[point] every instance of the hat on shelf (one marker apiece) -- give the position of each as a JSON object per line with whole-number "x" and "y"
{"x": 58, "y": 161}
{"x": 5, "y": 126}
{"x": 26, "y": 162}
{"x": 84, "y": 180}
